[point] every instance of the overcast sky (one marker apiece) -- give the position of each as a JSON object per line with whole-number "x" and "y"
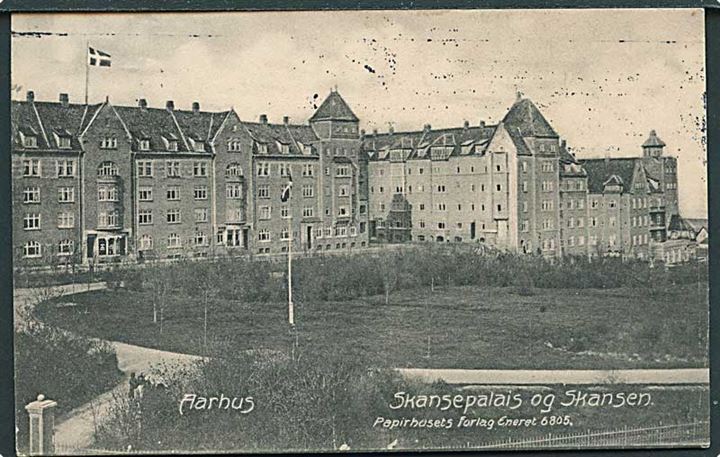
{"x": 602, "y": 78}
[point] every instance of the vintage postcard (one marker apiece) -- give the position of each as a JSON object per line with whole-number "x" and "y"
{"x": 360, "y": 230}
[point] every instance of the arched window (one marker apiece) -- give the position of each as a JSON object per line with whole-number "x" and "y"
{"x": 233, "y": 170}
{"x": 146, "y": 242}
{"x": 107, "y": 169}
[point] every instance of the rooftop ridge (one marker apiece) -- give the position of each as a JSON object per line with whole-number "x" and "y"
{"x": 418, "y": 132}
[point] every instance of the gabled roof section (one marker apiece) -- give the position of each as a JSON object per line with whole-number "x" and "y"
{"x": 518, "y": 140}
{"x": 528, "y": 120}
{"x": 653, "y": 141}
{"x": 334, "y": 108}
{"x": 678, "y": 224}
{"x": 599, "y": 171}
{"x": 277, "y": 135}
{"x": 197, "y": 125}
{"x": 154, "y": 124}
{"x": 303, "y": 134}
{"x": 49, "y": 121}
{"x": 24, "y": 119}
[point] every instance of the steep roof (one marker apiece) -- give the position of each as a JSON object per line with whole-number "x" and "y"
{"x": 678, "y": 224}
{"x": 528, "y": 119}
{"x": 275, "y": 135}
{"x": 154, "y": 124}
{"x": 61, "y": 121}
{"x": 25, "y": 120}
{"x": 653, "y": 141}
{"x": 463, "y": 141}
{"x": 198, "y": 125}
{"x": 599, "y": 171}
{"x": 49, "y": 121}
{"x": 334, "y": 108}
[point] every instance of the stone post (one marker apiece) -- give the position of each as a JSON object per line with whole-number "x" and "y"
{"x": 42, "y": 425}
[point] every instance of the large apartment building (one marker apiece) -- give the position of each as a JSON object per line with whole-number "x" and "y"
{"x": 515, "y": 186}
{"x": 102, "y": 182}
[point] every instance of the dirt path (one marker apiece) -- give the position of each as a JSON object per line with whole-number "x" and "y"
{"x": 75, "y": 429}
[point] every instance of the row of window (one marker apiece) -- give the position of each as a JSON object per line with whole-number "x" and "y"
{"x": 64, "y": 168}
{"x": 233, "y": 191}
{"x": 32, "y": 195}
{"x": 443, "y": 207}
{"x": 33, "y": 249}
{"x": 145, "y": 168}
{"x": 33, "y": 221}
{"x": 436, "y": 170}
{"x": 440, "y": 225}
{"x": 263, "y": 169}
{"x": 265, "y": 235}
{"x": 265, "y": 212}
{"x": 640, "y": 221}
{"x": 173, "y": 241}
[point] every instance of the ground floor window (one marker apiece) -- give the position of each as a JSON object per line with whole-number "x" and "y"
{"x": 146, "y": 242}
{"x": 32, "y": 249}
{"x": 66, "y": 247}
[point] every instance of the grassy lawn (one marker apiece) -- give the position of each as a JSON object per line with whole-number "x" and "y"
{"x": 458, "y": 327}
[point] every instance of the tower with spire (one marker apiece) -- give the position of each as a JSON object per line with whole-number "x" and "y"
{"x": 653, "y": 146}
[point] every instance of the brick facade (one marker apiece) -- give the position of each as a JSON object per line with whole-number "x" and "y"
{"x": 103, "y": 182}
{"x": 158, "y": 183}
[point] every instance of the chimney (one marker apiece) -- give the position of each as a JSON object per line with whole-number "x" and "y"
{"x": 362, "y": 134}
{"x": 375, "y": 132}
{"x": 391, "y": 129}
{"x": 196, "y": 107}
{"x": 466, "y": 125}
{"x": 263, "y": 118}
{"x": 482, "y": 124}
{"x": 142, "y": 104}
{"x": 286, "y": 120}
{"x": 30, "y": 96}
{"x": 563, "y": 144}
{"x": 170, "y": 105}
{"x": 64, "y": 100}
{"x": 427, "y": 128}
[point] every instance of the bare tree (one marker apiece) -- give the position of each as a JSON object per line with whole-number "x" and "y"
{"x": 205, "y": 282}
{"x": 388, "y": 264}
{"x": 159, "y": 281}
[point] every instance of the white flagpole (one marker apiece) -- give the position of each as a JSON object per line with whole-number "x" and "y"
{"x": 291, "y": 307}
{"x": 87, "y": 71}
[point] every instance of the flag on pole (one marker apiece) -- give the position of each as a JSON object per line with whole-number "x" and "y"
{"x": 285, "y": 196}
{"x": 98, "y": 58}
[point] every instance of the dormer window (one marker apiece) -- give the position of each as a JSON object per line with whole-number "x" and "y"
{"x": 108, "y": 143}
{"x": 30, "y": 141}
{"x": 64, "y": 142}
{"x": 199, "y": 146}
{"x": 172, "y": 145}
{"x": 284, "y": 148}
{"x": 262, "y": 148}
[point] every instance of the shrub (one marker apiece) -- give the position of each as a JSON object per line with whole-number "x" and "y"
{"x": 316, "y": 401}
{"x": 64, "y": 368}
